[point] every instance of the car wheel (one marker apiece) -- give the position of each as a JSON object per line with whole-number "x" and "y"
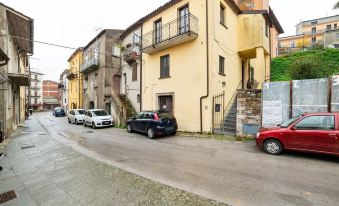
{"x": 69, "y": 121}
{"x": 76, "y": 122}
{"x": 93, "y": 125}
{"x": 273, "y": 147}
{"x": 129, "y": 128}
{"x": 85, "y": 125}
{"x": 150, "y": 133}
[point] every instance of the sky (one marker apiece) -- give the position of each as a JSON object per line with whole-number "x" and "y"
{"x": 74, "y": 23}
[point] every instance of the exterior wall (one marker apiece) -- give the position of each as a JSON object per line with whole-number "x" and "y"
{"x": 75, "y": 85}
{"x": 63, "y": 90}
{"x": 248, "y": 112}
{"x": 51, "y": 96}
{"x": 331, "y": 39}
{"x": 274, "y": 42}
{"x": 129, "y": 87}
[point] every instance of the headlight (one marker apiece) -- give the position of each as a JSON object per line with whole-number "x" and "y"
{"x": 258, "y": 134}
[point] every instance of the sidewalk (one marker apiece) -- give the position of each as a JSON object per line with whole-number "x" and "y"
{"x": 44, "y": 172}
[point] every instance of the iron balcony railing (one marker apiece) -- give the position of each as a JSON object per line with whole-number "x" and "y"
{"x": 91, "y": 63}
{"x": 187, "y": 24}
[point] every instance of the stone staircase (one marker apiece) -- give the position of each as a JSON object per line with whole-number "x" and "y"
{"x": 127, "y": 106}
{"x": 229, "y": 126}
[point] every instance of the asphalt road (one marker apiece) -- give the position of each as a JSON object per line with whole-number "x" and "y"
{"x": 230, "y": 172}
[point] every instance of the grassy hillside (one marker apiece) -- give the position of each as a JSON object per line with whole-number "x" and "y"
{"x": 281, "y": 65}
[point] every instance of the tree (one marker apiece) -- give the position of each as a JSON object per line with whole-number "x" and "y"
{"x": 336, "y": 6}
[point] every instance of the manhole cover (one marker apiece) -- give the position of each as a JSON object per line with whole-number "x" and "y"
{"x": 88, "y": 132}
{"x": 27, "y": 147}
{"x": 7, "y": 196}
{"x": 42, "y": 134}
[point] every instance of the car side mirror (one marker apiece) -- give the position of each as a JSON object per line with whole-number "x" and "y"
{"x": 293, "y": 128}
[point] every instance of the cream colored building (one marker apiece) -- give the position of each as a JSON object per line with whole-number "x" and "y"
{"x": 197, "y": 50}
{"x": 309, "y": 33}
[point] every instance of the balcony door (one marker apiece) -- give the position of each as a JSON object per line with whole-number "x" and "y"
{"x": 157, "y": 31}
{"x": 183, "y": 19}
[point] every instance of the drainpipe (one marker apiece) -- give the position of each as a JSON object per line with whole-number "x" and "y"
{"x": 207, "y": 64}
{"x": 141, "y": 39}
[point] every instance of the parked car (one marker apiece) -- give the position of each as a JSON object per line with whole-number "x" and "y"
{"x": 76, "y": 116}
{"x": 58, "y": 111}
{"x": 153, "y": 123}
{"x": 312, "y": 132}
{"x": 97, "y": 118}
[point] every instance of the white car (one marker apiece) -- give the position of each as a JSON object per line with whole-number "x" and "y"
{"x": 97, "y": 118}
{"x": 76, "y": 116}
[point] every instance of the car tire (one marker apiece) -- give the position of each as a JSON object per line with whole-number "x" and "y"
{"x": 93, "y": 125}
{"x": 150, "y": 133}
{"x": 76, "y": 122}
{"x": 273, "y": 147}
{"x": 85, "y": 125}
{"x": 174, "y": 133}
{"x": 69, "y": 121}
{"x": 129, "y": 128}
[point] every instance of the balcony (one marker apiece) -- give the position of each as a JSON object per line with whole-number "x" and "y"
{"x": 131, "y": 53}
{"x": 19, "y": 79}
{"x": 179, "y": 31}
{"x": 70, "y": 75}
{"x": 90, "y": 65}
{"x": 35, "y": 87}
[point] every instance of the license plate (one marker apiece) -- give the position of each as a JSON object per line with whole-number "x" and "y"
{"x": 106, "y": 123}
{"x": 169, "y": 128}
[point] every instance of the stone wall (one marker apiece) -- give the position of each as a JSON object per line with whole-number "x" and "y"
{"x": 248, "y": 112}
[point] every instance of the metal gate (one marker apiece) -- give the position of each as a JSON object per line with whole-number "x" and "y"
{"x": 218, "y": 111}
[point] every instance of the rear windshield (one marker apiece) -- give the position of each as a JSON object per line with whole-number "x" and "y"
{"x": 165, "y": 115}
{"x": 59, "y": 110}
{"x": 81, "y": 111}
{"x": 100, "y": 113}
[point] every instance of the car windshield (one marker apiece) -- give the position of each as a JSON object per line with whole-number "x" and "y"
{"x": 100, "y": 113}
{"x": 80, "y": 111}
{"x": 289, "y": 122}
{"x": 165, "y": 115}
{"x": 58, "y": 110}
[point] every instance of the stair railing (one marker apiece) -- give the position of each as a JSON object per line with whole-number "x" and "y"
{"x": 227, "y": 108}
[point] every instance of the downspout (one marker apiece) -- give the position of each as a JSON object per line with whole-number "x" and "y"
{"x": 79, "y": 79}
{"x": 141, "y": 39}
{"x": 270, "y": 44}
{"x": 207, "y": 64}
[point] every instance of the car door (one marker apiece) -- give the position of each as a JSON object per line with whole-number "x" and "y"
{"x": 314, "y": 133}
{"x": 146, "y": 121}
{"x": 87, "y": 116}
{"x": 136, "y": 122}
{"x": 335, "y": 138}
{"x": 71, "y": 115}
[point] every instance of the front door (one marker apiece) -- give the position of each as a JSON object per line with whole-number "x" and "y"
{"x": 166, "y": 103}
{"x": 314, "y": 133}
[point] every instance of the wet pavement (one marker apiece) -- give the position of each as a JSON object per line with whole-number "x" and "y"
{"x": 225, "y": 171}
{"x": 44, "y": 172}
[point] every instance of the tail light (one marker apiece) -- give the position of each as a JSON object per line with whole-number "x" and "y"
{"x": 156, "y": 117}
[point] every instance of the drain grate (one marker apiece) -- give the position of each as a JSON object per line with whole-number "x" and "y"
{"x": 88, "y": 132}
{"x": 42, "y": 134}
{"x": 28, "y": 147}
{"x": 7, "y": 196}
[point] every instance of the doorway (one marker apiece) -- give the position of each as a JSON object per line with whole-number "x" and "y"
{"x": 166, "y": 103}
{"x": 91, "y": 105}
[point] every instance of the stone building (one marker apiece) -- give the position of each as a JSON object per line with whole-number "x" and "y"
{"x": 101, "y": 69}
{"x": 14, "y": 27}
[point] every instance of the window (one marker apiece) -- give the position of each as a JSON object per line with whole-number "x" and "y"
{"x": 35, "y": 101}
{"x": 136, "y": 39}
{"x": 183, "y": 19}
{"x": 337, "y": 35}
{"x": 221, "y": 65}
{"x": 316, "y": 123}
{"x": 314, "y": 40}
{"x": 335, "y": 26}
{"x": 292, "y": 44}
{"x": 329, "y": 27}
{"x": 35, "y": 94}
{"x": 314, "y": 30}
{"x": 164, "y": 66}
{"x": 157, "y": 31}
{"x": 314, "y": 22}
{"x": 36, "y": 77}
{"x": 222, "y": 15}
{"x": 266, "y": 28}
{"x": 134, "y": 72}
{"x": 115, "y": 51}
{"x": 96, "y": 54}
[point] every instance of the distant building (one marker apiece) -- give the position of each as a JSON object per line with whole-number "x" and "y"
{"x": 63, "y": 90}
{"x": 75, "y": 80}
{"x": 311, "y": 33}
{"x": 51, "y": 96}
{"x": 36, "y": 101}
{"x": 331, "y": 39}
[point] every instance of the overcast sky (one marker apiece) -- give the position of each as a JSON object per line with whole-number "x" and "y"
{"x": 74, "y": 23}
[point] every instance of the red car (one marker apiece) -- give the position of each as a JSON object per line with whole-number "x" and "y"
{"x": 311, "y": 132}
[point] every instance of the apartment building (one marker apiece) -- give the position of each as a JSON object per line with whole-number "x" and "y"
{"x": 101, "y": 71}
{"x": 75, "y": 80}
{"x": 63, "y": 90}
{"x": 14, "y": 68}
{"x": 50, "y": 95}
{"x": 310, "y": 33}
{"x": 36, "y": 101}
{"x": 196, "y": 51}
